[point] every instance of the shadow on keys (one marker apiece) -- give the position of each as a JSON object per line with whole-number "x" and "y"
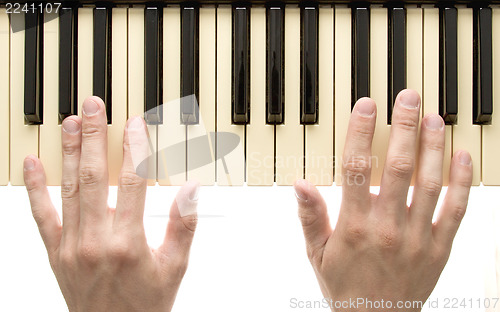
{"x": 199, "y": 151}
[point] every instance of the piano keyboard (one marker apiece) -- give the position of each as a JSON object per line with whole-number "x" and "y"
{"x": 280, "y": 78}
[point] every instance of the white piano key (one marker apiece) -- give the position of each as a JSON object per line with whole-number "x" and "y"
{"x": 319, "y": 137}
{"x": 342, "y": 84}
{"x": 205, "y": 174}
{"x": 172, "y": 131}
{"x": 260, "y": 135}
{"x": 378, "y": 89}
{"x": 136, "y": 80}
{"x": 50, "y": 131}
{"x": 491, "y": 133}
{"x": 4, "y": 96}
{"x": 414, "y": 66}
{"x": 290, "y": 134}
{"x": 466, "y": 135}
{"x": 23, "y": 138}
{"x": 230, "y": 167}
{"x": 430, "y": 100}
{"x": 85, "y": 54}
{"x": 119, "y": 92}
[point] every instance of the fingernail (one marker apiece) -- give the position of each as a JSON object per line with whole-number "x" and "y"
{"x": 465, "y": 159}
{"x": 409, "y": 99}
{"x": 299, "y": 192}
{"x": 90, "y": 107}
{"x": 434, "y": 122}
{"x": 366, "y": 108}
{"x": 29, "y": 164}
{"x": 70, "y": 126}
{"x": 135, "y": 123}
{"x": 187, "y": 198}
{"x": 194, "y": 193}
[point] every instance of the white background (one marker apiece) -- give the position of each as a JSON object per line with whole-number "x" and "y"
{"x": 248, "y": 253}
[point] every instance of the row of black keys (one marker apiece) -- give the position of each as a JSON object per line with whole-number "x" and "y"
{"x": 483, "y": 106}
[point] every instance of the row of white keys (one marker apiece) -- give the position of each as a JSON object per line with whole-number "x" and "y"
{"x": 230, "y": 162}
{"x": 319, "y": 137}
{"x": 4, "y": 96}
{"x": 430, "y": 100}
{"x": 24, "y": 138}
{"x": 290, "y": 134}
{"x": 414, "y": 37}
{"x": 260, "y": 135}
{"x": 466, "y": 135}
{"x": 50, "y": 130}
{"x": 491, "y": 133}
{"x": 206, "y": 127}
{"x": 172, "y": 133}
{"x": 136, "y": 81}
{"x": 342, "y": 84}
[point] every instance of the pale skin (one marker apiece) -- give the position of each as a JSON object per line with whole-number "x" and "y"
{"x": 380, "y": 248}
{"x": 99, "y": 254}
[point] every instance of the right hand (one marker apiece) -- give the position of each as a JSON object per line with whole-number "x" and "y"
{"x": 381, "y": 249}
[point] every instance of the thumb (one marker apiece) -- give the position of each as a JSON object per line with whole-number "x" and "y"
{"x": 181, "y": 226}
{"x": 314, "y": 218}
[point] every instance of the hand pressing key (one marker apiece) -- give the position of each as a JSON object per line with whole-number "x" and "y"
{"x": 381, "y": 249}
{"x": 99, "y": 254}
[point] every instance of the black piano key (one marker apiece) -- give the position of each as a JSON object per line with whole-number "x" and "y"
{"x": 483, "y": 85}
{"x": 189, "y": 65}
{"x": 448, "y": 73}
{"x": 33, "y": 67}
{"x": 102, "y": 57}
{"x": 67, "y": 63}
{"x": 241, "y": 66}
{"x": 309, "y": 65}
{"x": 153, "y": 17}
{"x": 361, "y": 54}
{"x": 275, "y": 61}
{"x": 397, "y": 56}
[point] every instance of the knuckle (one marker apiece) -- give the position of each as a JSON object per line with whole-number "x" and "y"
{"x": 315, "y": 257}
{"x": 459, "y": 212}
{"x": 90, "y": 175}
{"x": 400, "y": 166}
{"x": 68, "y": 190}
{"x": 131, "y": 182}
{"x": 70, "y": 149}
{"x": 388, "y": 237}
{"x": 433, "y": 145}
{"x": 307, "y": 219}
{"x": 67, "y": 259}
{"x": 355, "y": 232}
{"x": 179, "y": 266}
{"x": 89, "y": 254}
{"x": 92, "y": 129}
{"x": 363, "y": 131}
{"x": 123, "y": 252}
{"x": 430, "y": 187}
{"x": 190, "y": 222}
{"x": 33, "y": 185}
{"x": 406, "y": 121}
{"x": 357, "y": 165}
